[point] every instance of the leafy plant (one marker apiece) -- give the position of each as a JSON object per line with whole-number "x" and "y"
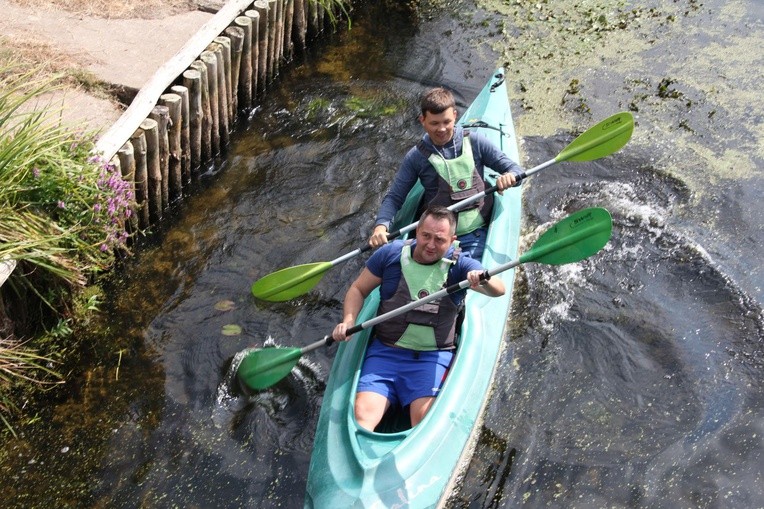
{"x": 63, "y": 209}
{"x": 62, "y": 219}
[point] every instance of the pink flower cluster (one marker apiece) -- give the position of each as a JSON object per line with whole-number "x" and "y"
{"x": 112, "y": 207}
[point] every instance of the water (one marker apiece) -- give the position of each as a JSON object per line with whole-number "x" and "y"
{"x": 632, "y": 379}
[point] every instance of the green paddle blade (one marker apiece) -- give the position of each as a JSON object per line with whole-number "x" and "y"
{"x": 572, "y": 239}
{"x": 600, "y": 140}
{"x": 286, "y": 284}
{"x": 262, "y": 368}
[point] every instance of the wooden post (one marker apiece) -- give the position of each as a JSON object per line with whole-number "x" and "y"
{"x": 222, "y": 94}
{"x": 192, "y": 80}
{"x": 261, "y": 6}
{"x": 138, "y": 141}
{"x": 175, "y": 184}
{"x": 236, "y": 35}
{"x": 185, "y": 132}
{"x": 116, "y": 166}
{"x": 312, "y": 17}
{"x": 245, "y": 74}
{"x": 300, "y": 26}
{"x": 200, "y": 66}
{"x": 279, "y": 37}
{"x": 126, "y": 156}
{"x": 288, "y": 23}
{"x": 225, "y": 48}
{"x": 111, "y": 140}
{"x": 272, "y": 29}
{"x": 154, "y": 173}
{"x": 162, "y": 116}
{"x": 211, "y": 62}
{"x": 255, "y": 17}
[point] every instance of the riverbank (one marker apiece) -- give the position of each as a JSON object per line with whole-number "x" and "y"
{"x": 89, "y": 68}
{"x": 80, "y": 62}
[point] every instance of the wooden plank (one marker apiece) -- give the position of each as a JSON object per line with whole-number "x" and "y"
{"x": 6, "y": 267}
{"x": 116, "y": 136}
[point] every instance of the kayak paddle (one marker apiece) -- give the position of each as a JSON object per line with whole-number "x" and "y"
{"x": 605, "y": 138}
{"x": 572, "y": 239}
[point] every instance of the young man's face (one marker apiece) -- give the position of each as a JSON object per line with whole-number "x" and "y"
{"x": 433, "y": 238}
{"x": 439, "y": 126}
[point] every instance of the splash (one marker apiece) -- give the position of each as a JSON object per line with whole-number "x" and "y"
{"x": 305, "y": 384}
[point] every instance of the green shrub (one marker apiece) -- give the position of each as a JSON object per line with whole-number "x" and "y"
{"x": 62, "y": 210}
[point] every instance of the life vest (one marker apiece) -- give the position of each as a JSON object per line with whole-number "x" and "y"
{"x": 427, "y": 327}
{"x": 458, "y": 180}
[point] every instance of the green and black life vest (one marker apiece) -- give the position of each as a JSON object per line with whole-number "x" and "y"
{"x": 427, "y": 327}
{"x": 458, "y": 180}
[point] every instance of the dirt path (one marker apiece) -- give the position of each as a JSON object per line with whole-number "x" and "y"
{"x": 122, "y": 53}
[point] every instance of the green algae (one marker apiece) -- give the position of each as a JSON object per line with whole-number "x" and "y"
{"x": 690, "y": 71}
{"x": 368, "y": 107}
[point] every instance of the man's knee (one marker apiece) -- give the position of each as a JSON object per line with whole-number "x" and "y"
{"x": 369, "y": 409}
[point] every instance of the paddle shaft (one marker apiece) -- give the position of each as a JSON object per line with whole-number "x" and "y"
{"x": 328, "y": 340}
{"x": 454, "y": 208}
{"x": 532, "y": 255}
{"x": 574, "y": 238}
{"x": 601, "y": 140}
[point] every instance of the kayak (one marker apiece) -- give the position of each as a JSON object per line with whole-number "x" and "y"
{"x": 400, "y": 466}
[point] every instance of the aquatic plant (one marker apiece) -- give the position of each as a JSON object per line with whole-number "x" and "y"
{"x": 62, "y": 209}
{"x": 333, "y": 7}
{"x": 17, "y": 362}
{"x": 373, "y": 107}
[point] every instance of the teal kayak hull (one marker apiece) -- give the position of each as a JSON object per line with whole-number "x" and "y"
{"x": 352, "y": 467}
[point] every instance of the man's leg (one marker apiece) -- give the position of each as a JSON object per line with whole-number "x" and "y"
{"x": 370, "y": 407}
{"x": 419, "y": 408}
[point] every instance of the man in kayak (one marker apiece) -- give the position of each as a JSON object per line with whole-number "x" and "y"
{"x": 449, "y": 161}
{"x": 409, "y": 354}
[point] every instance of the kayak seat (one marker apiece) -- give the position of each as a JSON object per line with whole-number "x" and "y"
{"x": 396, "y": 419}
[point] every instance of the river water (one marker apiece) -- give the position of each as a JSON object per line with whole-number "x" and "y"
{"x": 632, "y": 379}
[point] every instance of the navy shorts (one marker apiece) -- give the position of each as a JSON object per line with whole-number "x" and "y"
{"x": 403, "y": 375}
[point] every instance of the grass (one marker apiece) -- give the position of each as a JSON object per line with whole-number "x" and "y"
{"x": 17, "y": 362}
{"x": 63, "y": 215}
